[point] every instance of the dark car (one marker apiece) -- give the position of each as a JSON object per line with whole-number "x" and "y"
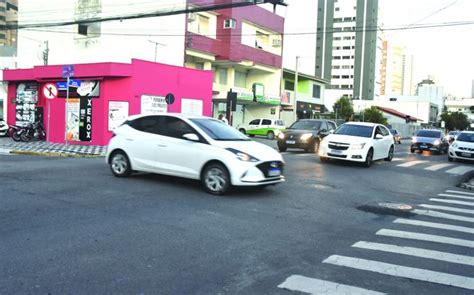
{"x": 397, "y": 138}
{"x": 429, "y": 140}
{"x": 305, "y": 134}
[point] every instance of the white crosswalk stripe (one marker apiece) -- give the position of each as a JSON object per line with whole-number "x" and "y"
{"x": 402, "y": 271}
{"x": 315, "y": 286}
{"x": 425, "y": 237}
{"x": 397, "y": 159}
{"x": 452, "y": 202}
{"x": 458, "y": 228}
{"x": 460, "y": 170}
{"x": 456, "y": 196}
{"x": 411, "y": 163}
{"x": 443, "y": 215}
{"x": 445, "y": 208}
{"x": 438, "y": 166}
{"x": 460, "y": 192}
{"x": 418, "y": 252}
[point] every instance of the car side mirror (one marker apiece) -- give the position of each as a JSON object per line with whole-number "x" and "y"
{"x": 379, "y": 136}
{"x": 191, "y": 137}
{"x": 323, "y": 131}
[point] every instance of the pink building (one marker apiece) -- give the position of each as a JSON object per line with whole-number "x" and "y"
{"x": 102, "y": 95}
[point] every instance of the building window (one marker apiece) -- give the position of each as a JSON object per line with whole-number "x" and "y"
{"x": 223, "y": 76}
{"x": 214, "y": 71}
{"x": 337, "y": 38}
{"x": 336, "y": 77}
{"x": 316, "y": 91}
{"x": 336, "y": 9}
{"x": 240, "y": 79}
{"x": 346, "y": 57}
{"x": 347, "y": 38}
{"x": 346, "y": 47}
{"x": 229, "y": 23}
{"x": 82, "y": 29}
{"x": 261, "y": 40}
{"x": 336, "y": 67}
{"x": 289, "y": 85}
{"x": 203, "y": 24}
{"x": 200, "y": 65}
{"x": 337, "y": 57}
{"x": 345, "y": 76}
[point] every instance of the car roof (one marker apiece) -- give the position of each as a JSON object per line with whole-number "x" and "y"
{"x": 466, "y": 131}
{"x": 178, "y": 115}
{"x": 363, "y": 124}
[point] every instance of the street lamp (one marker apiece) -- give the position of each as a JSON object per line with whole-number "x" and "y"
{"x": 295, "y": 89}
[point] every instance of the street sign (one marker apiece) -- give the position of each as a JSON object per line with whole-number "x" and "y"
{"x": 169, "y": 98}
{"x": 67, "y": 71}
{"x": 50, "y": 91}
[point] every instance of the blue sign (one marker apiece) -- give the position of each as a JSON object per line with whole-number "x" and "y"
{"x": 72, "y": 83}
{"x": 68, "y": 71}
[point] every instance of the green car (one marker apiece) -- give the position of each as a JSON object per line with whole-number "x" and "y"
{"x": 263, "y": 127}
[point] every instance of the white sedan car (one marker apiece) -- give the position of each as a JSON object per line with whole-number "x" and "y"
{"x": 462, "y": 147}
{"x": 193, "y": 147}
{"x": 359, "y": 142}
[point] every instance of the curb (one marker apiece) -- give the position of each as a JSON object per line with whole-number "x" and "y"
{"x": 54, "y": 154}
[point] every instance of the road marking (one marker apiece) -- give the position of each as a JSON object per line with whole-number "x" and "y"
{"x": 460, "y": 170}
{"x": 315, "y": 286}
{"x": 443, "y": 215}
{"x": 456, "y": 196}
{"x": 411, "y": 163}
{"x": 417, "y": 252}
{"x": 397, "y": 159}
{"x": 460, "y": 192}
{"x": 452, "y": 202}
{"x": 402, "y": 271}
{"x": 425, "y": 237}
{"x": 435, "y": 225}
{"x": 396, "y": 152}
{"x": 445, "y": 208}
{"x": 438, "y": 166}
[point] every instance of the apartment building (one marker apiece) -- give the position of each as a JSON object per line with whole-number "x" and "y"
{"x": 349, "y": 49}
{"x": 396, "y": 77}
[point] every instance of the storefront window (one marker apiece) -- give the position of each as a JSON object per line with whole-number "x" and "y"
{"x": 240, "y": 79}
{"x": 223, "y": 76}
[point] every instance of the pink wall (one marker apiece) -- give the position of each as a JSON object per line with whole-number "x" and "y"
{"x": 118, "y": 82}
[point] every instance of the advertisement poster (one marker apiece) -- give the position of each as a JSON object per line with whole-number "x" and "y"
{"x": 72, "y": 125}
{"x": 191, "y": 106}
{"x": 152, "y": 105}
{"x": 79, "y": 88}
{"x": 26, "y": 99}
{"x": 85, "y": 119}
{"x": 118, "y": 113}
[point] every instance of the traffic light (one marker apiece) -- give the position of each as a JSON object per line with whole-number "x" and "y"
{"x": 407, "y": 119}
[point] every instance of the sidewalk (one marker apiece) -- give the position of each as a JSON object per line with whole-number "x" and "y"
{"x": 42, "y": 148}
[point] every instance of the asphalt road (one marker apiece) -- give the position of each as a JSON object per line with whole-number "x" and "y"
{"x": 69, "y": 227}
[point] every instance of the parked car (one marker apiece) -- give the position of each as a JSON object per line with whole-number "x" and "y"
{"x": 462, "y": 147}
{"x": 263, "y": 127}
{"x": 199, "y": 148}
{"x": 305, "y": 134}
{"x": 359, "y": 142}
{"x": 429, "y": 140}
{"x": 3, "y": 128}
{"x": 452, "y": 136}
{"x": 397, "y": 138}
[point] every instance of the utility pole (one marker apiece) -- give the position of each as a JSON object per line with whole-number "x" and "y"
{"x": 295, "y": 117}
{"x": 156, "y": 47}
{"x": 46, "y": 53}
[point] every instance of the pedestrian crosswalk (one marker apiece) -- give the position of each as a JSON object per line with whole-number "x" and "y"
{"x": 441, "y": 233}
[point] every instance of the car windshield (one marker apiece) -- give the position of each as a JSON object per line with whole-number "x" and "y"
{"x": 428, "y": 133}
{"x": 466, "y": 137}
{"x": 306, "y": 125}
{"x": 218, "y": 130}
{"x": 453, "y": 132}
{"x": 393, "y": 131}
{"x": 354, "y": 130}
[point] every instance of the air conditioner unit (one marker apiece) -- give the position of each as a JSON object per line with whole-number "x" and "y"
{"x": 276, "y": 42}
{"x": 192, "y": 17}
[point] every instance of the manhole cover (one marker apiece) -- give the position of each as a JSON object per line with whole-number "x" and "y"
{"x": 396, "y": 206}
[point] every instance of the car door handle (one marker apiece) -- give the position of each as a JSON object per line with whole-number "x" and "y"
{"x": 162, "y": 145}
{"x": 129, "y": 139}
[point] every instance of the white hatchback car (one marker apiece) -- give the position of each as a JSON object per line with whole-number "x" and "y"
{"x": 359, "y": 142}
{"x": 462, "y": 147}
{"x": 193, "y": 147}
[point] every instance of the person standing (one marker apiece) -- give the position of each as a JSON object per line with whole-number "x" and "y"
{"x": 222, "y": 118}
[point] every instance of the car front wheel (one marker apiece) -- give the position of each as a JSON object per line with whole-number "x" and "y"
{"x": 369, "y": 158}
{"x": 216, "y": 179}
{"x": 270, "y": 135}
{"x": 390, "y": 155}
{"x": 120, "y": 165}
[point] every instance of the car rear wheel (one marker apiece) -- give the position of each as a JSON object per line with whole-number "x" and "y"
{"x": 450, "y": 159}
{"x": 270, "y": 135}
{"x": 242, "y": 130}
{"x": 216, "y": 179}
{"x": 412, "y": 151}
{"x": 390, "y": 155}
{"x": 120, "y": 165}
{"x": 369, "y": 158}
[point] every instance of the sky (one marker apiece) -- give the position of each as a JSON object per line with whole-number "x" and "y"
{"x": 447, "y": 53}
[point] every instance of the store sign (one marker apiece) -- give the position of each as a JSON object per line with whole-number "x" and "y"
{"x": 152, "y": 105}
{"x": 78, "y": 88}
{"x": 244, "y": 95}
{"x": 72, "y": 117}
{"x": 85, "y": 124}
{"x": 270, "y": 99}
{"x": 118, "y": 113}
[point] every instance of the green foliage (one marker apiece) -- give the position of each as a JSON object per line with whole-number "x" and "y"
{"x": 345, "y": 109}
{"x": 455, "y": 120}
{"x": 373, "y": 115}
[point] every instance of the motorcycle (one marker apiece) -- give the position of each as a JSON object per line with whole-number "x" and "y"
{"x": 33, "y": 131}
{"x": 14, "y": 132}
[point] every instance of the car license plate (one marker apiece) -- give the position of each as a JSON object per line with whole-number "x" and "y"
{"x": 423, "y": 146}
{"x": 336, "y": 152}
{"x": 274, "y": 172}
{"x": 468, "y": 155}
{"x": 290, "y": 142}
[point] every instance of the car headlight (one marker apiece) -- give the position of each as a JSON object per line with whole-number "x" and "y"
{"x": 357, "y": 146}
{"x": 243, "y": 156}
{"x": 437, "y": 142}
{"x": 306, "y": 136}
{"x": 454, "y": 145}
{"x": 281, "y": 135}
{"x": 413, "y": 140}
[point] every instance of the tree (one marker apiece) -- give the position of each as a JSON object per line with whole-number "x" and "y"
{"x": 344, "y": 108}
{"x": 455, "y": 120}
{"x": 373, "y": 115}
